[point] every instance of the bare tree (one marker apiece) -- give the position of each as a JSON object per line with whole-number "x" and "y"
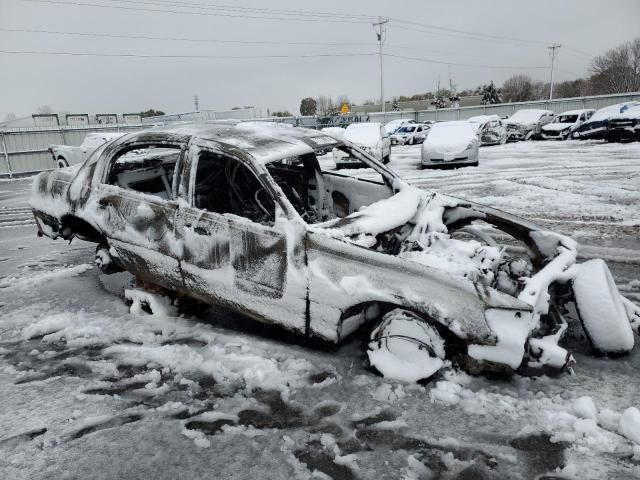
{"x": 323, "y": 104}
{"x": 518, "y": 88}
{"x": 45, "y": 110}
{"x": 618, "y": 70}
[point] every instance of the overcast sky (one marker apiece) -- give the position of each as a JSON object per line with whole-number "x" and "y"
{"x": 86, "y": 84}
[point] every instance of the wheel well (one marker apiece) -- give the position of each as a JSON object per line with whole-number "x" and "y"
{"x": 76, "y": 227}
{"x": 454, "y": 345}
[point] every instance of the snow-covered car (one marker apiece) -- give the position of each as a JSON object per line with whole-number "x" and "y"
{"x": 371, "y": 137}
{"x": 450, "y": 145}
{"x": 410, "y": 134}
{"x": 565, "y": 124}
{"x": 334, "y": 132}
{"x": 490, "y": 129}
{"x": 393, "y": 125}
{"x": 596, "y": 127}
{"x": 624, "y": 126}
{"x": 66, "y": 155}
{"x": 527, "y": 124}
{"x": 244, "y": 217}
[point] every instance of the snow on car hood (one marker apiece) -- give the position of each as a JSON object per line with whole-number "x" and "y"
{"x": 450, "y": 137}
{"x": 613, "y": 110}
{"x": 367, "y": 135}
{"x": 525, "y": 117}
{"x": 633, "y": 112}
{"x": 556, "y": 127}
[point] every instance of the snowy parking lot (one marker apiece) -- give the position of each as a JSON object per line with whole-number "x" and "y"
{"x": 90, "y": 390}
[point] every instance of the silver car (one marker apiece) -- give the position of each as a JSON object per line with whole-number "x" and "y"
{"x": 490, "y": 129}
{"x": 450, "y": 145}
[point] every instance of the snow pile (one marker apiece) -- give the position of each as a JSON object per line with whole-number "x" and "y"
{"x": 630, "y": 424}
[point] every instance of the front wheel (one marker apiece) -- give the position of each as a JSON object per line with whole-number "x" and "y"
{"x": 405, "y": 347}
{"x": 62, "y": 162}
{"x": 386, "y": 159}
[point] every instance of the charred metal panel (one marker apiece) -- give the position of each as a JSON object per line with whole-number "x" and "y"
{"x": 343, "y": 275}
{"x": 259, "y": 258}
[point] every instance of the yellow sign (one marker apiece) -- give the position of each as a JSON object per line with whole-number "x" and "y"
{"x": 344, "y": 108}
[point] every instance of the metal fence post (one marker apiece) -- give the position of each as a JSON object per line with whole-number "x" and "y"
{"x": 6, "y": 155}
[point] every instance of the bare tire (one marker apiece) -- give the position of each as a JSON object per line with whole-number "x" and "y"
{"x": 601, "y": 309}
{"x": 62, "y": 162}
{"x": 405, "y": 347}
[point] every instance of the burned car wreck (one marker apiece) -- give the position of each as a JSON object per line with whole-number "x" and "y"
{"x": 243, "y": 216}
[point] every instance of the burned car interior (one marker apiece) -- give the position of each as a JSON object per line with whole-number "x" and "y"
{"x": 224, "y": 185}
{"x": 147, "y": 170}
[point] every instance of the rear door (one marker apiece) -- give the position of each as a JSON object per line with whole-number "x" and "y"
{"x": 134, "y": 203}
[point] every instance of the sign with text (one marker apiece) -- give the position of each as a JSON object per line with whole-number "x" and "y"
{"x": 106, "y": 118}
{"x": 132, "y": 118}
{"x": 78, "y": 119}
{"x": 45, "y": 120}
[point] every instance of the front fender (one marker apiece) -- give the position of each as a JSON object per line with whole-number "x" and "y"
{"x": 342, "y": 275}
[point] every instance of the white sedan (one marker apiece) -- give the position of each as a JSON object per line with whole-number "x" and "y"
{"x": 450, "y": 145}
{"x": 372, "y": 138}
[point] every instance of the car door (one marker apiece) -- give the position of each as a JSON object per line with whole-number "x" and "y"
{"x": 234, "y": 252}
{"x": 135, "y": 207}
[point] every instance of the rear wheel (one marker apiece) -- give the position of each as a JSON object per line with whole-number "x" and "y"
{"x": 62, "y": 162}
{"x": 386, "y": 159}
{"x": 601, "y": 309}
{"x": 405, "y": 347}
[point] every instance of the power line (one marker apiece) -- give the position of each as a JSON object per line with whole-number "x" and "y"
{"x": 427, "y": 60}
{"x": 182, "y": 39}
{"x": 182, "y": 12}
{"x": 239, "y": 42}
{"x": 220, "y": 57}
{"x": 268, "y": 11}
{"x": 453, "y": 31}
{"x": 436, "y": 52}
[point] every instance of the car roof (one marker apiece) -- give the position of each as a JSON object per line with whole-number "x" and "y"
{"x": 576, "y": 112}
{"x": 264, "y": 141}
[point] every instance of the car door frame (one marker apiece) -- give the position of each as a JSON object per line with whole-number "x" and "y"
{"x": 135, "y": 250}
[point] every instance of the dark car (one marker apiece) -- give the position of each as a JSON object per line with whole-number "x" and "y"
{"x": 596, "y": 127}
{"x": 625, "y": 126}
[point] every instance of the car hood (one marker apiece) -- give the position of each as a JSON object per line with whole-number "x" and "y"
{"x": 557, "y": 127}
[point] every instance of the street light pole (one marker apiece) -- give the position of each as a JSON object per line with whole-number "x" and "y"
{"x": 552, "y": 52}
{"x": 380, "y": 30}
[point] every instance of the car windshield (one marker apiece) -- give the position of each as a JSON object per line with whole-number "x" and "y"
{"x": 567, "y": 119}
{"x": 406, "y": 129}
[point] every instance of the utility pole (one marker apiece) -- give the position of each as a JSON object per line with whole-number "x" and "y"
{"x": 552, "y": 52}
{"x": 196, "y": 103}
{"x": 380, "y": 31}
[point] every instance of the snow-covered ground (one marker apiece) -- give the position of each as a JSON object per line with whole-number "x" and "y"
{"x": 89, "y": 390}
